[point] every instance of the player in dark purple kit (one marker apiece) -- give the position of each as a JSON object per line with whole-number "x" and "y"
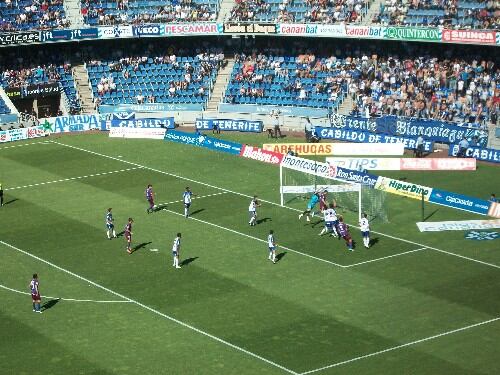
{"x": 35, "y": 293}
{"x": 128, "y": 235}
{"x": 344, "y": 233}
{"x": 150, "y": 198}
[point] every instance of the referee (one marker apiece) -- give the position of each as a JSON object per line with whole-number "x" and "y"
{"x": 1, "y": 195}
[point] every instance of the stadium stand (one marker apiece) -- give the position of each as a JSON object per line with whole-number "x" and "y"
{"x": 303, "y": 80}
{"x": 3, "y": 108}
{"x": 32, "y": 14}
{"x": 446, "y": 13}
{"x": 454, "y": 89}
{"x": 154, "y": 78}
{"x": 324, "y": 11}
{"x": 38, "y": 69}
{"x": 109, "y": 12}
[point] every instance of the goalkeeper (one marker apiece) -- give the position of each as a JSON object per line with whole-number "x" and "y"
{"x": 313, "y": 201}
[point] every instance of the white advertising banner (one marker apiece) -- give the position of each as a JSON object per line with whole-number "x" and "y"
{"x": 317, "y": 168}
{"x": 405, "y": 164}
{"x": 363, "y": 149}
{"x": 146, "y": 133}
{"x": 440, "y": 226}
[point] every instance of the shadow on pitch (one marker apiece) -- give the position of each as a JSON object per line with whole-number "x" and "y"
{"x": 11, "y": 201}
{"x": 50, "y": 304}
{"x": 431, "y": 214}
{"x": 264, "y": 220}
{"x": 196, "y": 212}
{"x": 280, "y": 256}
{"x": 140, "y": 246}
{"x": 373, "y": 241}
{"x": 120, "y": 234}
{"x": 187, "y": 261}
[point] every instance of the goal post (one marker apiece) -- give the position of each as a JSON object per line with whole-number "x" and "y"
{"x": 297, "y": 186}
{"x": 299, "y": 179}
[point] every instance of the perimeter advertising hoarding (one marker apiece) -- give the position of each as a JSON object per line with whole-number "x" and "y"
{"x": 300, "y": 148}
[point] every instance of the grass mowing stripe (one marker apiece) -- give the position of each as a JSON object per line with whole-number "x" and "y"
{"x": 218, "y": 339}
{"x": 24, "y": 144}
{"x": 73, "y": 178}
{"x": 182, "y": 200}
{"x": 62, "y": 298}
{"x": 255, "y": 238}
{"x": 402, "y": 346}
{"x": 273, "y": 203}
{"x": 386, "y": 257}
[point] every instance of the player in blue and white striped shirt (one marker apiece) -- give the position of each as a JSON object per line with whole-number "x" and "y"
{"x": 271, "y": 243}
{"x": 110, "y": 224}
{"x": 176, "y": 249}
{"x": 186, "y": 198}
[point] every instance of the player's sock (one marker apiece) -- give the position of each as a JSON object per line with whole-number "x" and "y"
{"x": 323, "y": 231}
{"x": 300, "y": 216}
{"x": 34, "y": 306}
{"x": 274, "y": 257}
{"x": 37, "y": 307}
{"x": 114, "y": 233}
{"x": 108, "y": 235}
{"x": 186, "y": 212}
{"x": 308, "y": 218}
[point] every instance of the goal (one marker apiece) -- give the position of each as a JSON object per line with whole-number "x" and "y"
{"x": 296, "y": 187}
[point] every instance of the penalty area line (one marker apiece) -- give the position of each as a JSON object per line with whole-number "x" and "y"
{"x": 146, "y": 307}
{"x": 159, "y": 205}
{"x": 269, "y": 202}
{"x": 255, "y": 238}
{"x": 402, "y": 346}
{"x": 72, "y": 178}
{"x": 62, "y": 298}
{"x": 386, "y": 257}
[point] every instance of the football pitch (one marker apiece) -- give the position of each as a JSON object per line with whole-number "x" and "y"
{"x": 414, "y": 303}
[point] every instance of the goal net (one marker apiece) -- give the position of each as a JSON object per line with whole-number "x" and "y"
{"x": 296, "y": 188}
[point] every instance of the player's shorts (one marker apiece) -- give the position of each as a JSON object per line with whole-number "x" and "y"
{"x": 151, "y": 202}
{"x": 272, "y": 248}
{"x": 329, "y": 225}
{"x": 174, "y": 253}
{"x": 110, "y": 226}
{"x": 322, "y": 206}
{"x": 347, "y": 238}
{"x": 36, "y": 297}
{"x": 187, "y": 205}
{"x": 252, "y": 213}
{"x": 365, "y": 234}
{"x": 129, "y": 238}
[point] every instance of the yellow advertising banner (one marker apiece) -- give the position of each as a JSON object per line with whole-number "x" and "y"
{"x": 406, "y": 189}
{"x": 300, "y": 148}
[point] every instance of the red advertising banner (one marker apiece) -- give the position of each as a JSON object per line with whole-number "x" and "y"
{"x": 259, "y": 154}
{"x": 438, "y": 164}
{"x": 469, "y": 36}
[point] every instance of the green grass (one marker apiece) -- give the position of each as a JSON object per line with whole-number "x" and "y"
{"x": 229, "y": 310}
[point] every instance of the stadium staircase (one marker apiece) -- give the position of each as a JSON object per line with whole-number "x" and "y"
{"x": 373, "y": 10}
{"x": 225, "y": 10}
{"x": 82, "y": 84}
{"x": 6, "y": 105}
{"x": 72, "y": 8}
{"x": 220, "y": 86}
{"x": 493, "y": 141}
{"x": 346, "y": 107}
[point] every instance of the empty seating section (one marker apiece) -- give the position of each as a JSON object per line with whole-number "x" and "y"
{"x": 303, "y": 80}
{"x": 3, "y": 108}
{"x": 51, "y": 73}
{"x": 324, "y": 11}
{"x": 153, "y": 79}
{"x": 31, "y": 14}
{"x": 446, "y": 13}
{"x": 111, "y": 12}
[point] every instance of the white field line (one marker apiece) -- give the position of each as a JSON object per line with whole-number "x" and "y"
{"x": 188, "y": 326}
{"x": 386, "y": 257}
{"x": 198, "y": 197}
{"x": 255, "y": 238}
{"x": 273, "y": 203}
{"x": 24, "y": 144}
{"x": 73, "y": 178}
{"x": 402, "y": 346}
{"x": 63, "y": 299}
